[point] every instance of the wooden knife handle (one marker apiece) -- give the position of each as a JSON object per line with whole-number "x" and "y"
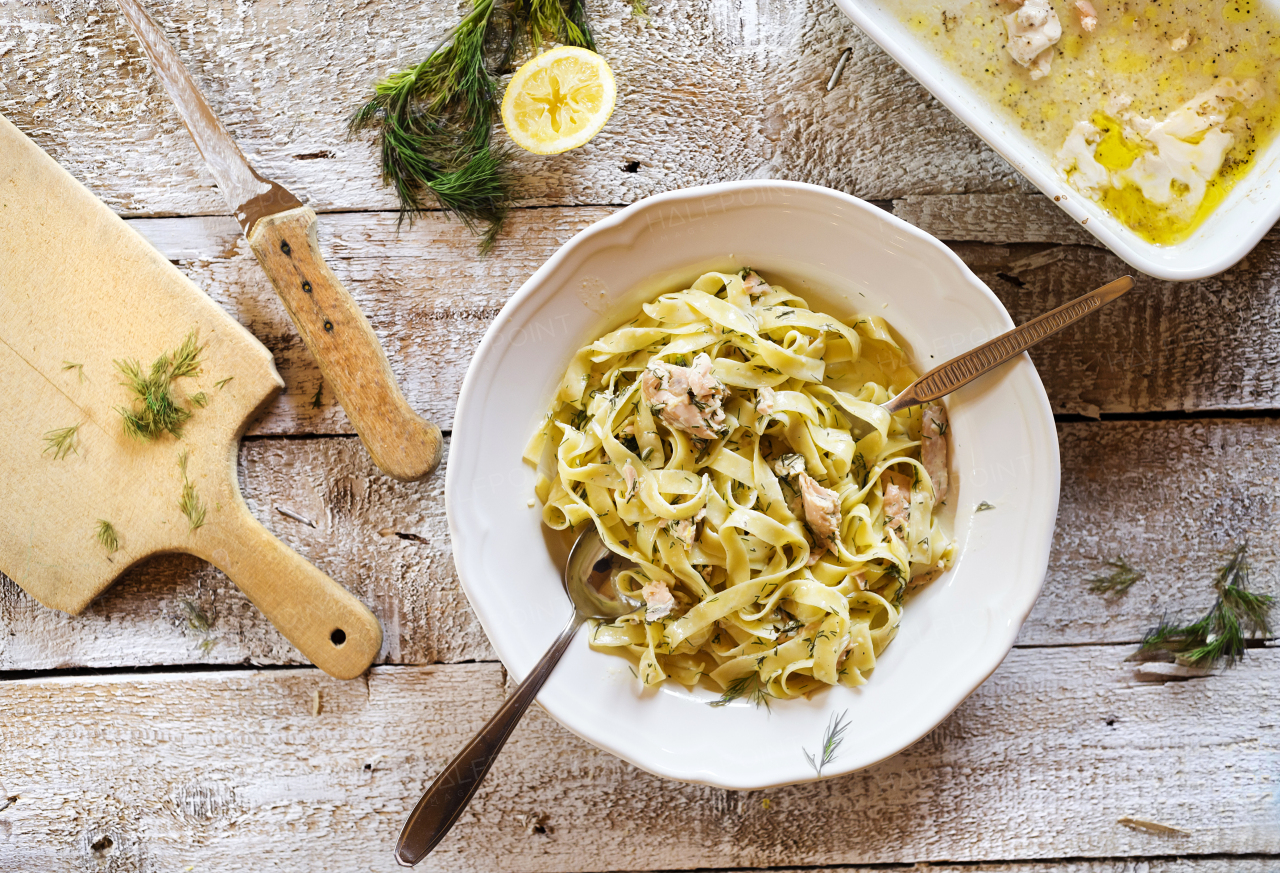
{"x": 325, "y": 621}
{"x": 401, "y": 442}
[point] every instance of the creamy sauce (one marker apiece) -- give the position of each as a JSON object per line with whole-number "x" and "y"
{"x": 1141, "y": 64}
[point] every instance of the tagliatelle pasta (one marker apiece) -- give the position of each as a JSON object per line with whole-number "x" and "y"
{"x": 729, "y": 441}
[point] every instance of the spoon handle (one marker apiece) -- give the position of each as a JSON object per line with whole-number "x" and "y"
{"x": 452, "y": 790}
{"x": 945, "y": 378}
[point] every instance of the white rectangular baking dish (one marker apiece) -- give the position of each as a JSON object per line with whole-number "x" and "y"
{"x": 1226, "y": 236}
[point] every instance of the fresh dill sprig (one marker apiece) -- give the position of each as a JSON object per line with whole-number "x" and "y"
{"x": 317, "y": 399}
{"x": 107, "y": 536}
{"x": 748, "y": 686}
{"x": 1118, "y": 582}
{"x": 189, "y": 502}
{"x": 222, "y": 383}
{"x": 61, "y": 442}
{"x": 155, "y": 411}
{"x": 433, "y": 122}
{"x": 200, "y": 400}
{"x": 831, "y": 741}
{"x": 79, "y": 368}
{"x": 1221, "y": 632}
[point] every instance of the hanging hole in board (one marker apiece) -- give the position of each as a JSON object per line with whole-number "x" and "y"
{"x": 338, "y": 637}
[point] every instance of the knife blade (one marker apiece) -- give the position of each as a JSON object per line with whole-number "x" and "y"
{"x": 281, "y": 231}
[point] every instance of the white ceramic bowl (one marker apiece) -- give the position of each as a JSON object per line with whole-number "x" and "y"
{"x": 844, "y": 256}
{"x": 1226, "y": 236}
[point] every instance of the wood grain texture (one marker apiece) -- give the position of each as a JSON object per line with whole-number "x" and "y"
{"x": 709, "y": 90}
{"x": 343, "y": 345}
{"x": 1205, "y": 345}
{"x": 1169, "y": 496}
{"x": 1039, "y": 763}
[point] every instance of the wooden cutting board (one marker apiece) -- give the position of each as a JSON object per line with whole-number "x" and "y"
{"x": 80, "y": 290}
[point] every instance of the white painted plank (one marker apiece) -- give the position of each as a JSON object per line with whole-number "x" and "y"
{"x": 709, "y": 90}
{"x": 1203, "y": 345}
{"x": 231, "y": 770}
{"x": 1169, "y": 496}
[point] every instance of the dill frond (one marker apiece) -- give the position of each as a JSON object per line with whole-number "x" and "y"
{"x": 196, "y": 619}
{"x": 831, "y": 741}
{"x": 748, "y": 686}
{"x": 1118, "y": 582}
{"x": 200, "y": 400}
{"x": 155, "y": 411}
{"x": 640, "y": 9}
{"x": 1220, "y": 633}
{"x": 222, "y": 383}
{"x": 189, "y": 503}
{"x": 107, "y": 536}
{"x": 317, "y": 399}
{"x": 61, "y": 442}
{"x": 433, "y": 122}
{"x": 79, "y": 368}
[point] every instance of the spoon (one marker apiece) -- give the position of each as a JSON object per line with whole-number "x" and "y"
{"x": 945, "y": 378}
{"x": 589, "y": 566}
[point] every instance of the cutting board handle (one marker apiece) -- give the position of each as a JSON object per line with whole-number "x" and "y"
{"x": 401, "y": 442}
{"x": 325, "y": 621}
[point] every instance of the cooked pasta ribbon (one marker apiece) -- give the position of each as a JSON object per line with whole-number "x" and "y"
{"x": 729, "y": 441}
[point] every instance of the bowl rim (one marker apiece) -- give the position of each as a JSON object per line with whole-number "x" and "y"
{"x": 1234, "y": 244}
{"x": 1035, "y": 555}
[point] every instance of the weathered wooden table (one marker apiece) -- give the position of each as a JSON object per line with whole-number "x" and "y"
{"x": 171, "y": 728}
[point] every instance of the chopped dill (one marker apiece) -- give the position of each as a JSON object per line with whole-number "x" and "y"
{"x": 200, "y": 400}
{"x": 79, "y": 368}
{"x": 107, "y": 537}
{"x": 1118, "y": 582}
{"x": 154, "y": 411}
{"x": 433, "y": 122}
{"x": 189, "y": 502}
{"x": 61, "y": 442}
{"x": 1221, "y": 632}
{"x": 983, "y": 507}
{"x": 831, "y": 741}
{"x": 748, "y": 686}
{"x": 222, "y": 383}
{"x": 317, "y": 399}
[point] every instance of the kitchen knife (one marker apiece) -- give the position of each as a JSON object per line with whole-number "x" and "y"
{"x": 281, "y": 230}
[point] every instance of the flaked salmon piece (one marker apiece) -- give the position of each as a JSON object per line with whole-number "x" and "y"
{"x": 897, "y": 501}
{"x": 765, "y": 398}
{"x": 821, "y": 511}
{"x": 658, "y": 601}
{"x": 686, "y": 398}
{"x": 755, "y": 285}
{"x": 1088, "y": 16}
{"x": 933, "y": 448}
{"x": 631, "y": 479}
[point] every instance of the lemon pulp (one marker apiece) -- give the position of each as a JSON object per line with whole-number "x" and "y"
{"x": 559, "y": 100}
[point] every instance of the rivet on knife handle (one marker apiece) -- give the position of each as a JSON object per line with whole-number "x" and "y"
{"x": 341, "y": 340}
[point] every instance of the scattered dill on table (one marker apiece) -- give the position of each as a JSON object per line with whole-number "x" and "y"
{"x": 61, "y": 442}
{"x": 222, "y": 383}
{"x": 433, "y": 122}
{"x": 200, "y": 400}
{"x": 107, "y": 537}
{"x": 155, "y": 411}
{"x": 1219, "y": 634}
{"x": 189, "y": 502}
{"x": 79, "y": 368}
{"x": 749, "y": 687}
{"x": 831, "y": 741}
{"x": 317, "y": 399}
{"x": 1118, "y": 582}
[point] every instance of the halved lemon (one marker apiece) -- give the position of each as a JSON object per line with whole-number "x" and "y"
{"x": 559, "y": 100}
